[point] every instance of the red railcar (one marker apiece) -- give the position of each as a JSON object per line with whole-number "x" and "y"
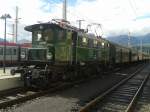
{"x": 12, "y": 52}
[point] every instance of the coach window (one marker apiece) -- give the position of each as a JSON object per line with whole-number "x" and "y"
{"x": 90, "y": 43}
{"x": 79, "y": 41}
{"x": 14, "y": 51}
{"x": 84, "y": 41}
{"x": 99, "y": 44}
{"x": 1, "y": 51}
{"x": 108, "y": 45}
{"x": 8, "y": 51}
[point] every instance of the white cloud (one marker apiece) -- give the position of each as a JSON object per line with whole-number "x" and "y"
{"x": 116, "y": 16}
{"x": 29, "y": 11}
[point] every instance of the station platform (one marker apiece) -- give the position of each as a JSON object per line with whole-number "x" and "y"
{"x": 7, "y": 81}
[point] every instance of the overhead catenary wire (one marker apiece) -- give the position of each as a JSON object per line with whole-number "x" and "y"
{"x": 133, "y": 7}
{"x": 77, "y": 14}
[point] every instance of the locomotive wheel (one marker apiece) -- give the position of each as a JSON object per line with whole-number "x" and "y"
{"x": 27, "y": 82}
{"x": 67, "y": 76}
{"x": 41, "y": 83}
{"x": 68, "y": 73}
{"x": 12, "y": 72}
{"x": 26, "y": 79}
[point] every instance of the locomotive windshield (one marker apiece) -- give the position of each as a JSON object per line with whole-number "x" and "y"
{"x": 37, "y": 54}
{"x": 46, "y": 33}
{"x": 42, "y": 36}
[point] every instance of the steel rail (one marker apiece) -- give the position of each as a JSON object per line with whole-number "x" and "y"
{"x": 11, "y": 91}
{"x": 132, "y": 103}
{"x": 97, "y": 99}
{"x": 24, "y": 98}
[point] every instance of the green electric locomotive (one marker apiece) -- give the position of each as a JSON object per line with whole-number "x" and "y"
{"x": 63, "y": 52}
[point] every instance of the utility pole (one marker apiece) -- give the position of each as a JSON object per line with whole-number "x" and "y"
{"x": 80, "y": 21}
{"x": 129, "y": 40}
{"x": 5, "y": 17}
{"x": 16, "y": 23}
{"x": 141, "y": 45}
{"x": 13, "y": 32}
{"x": 65, "y": 10}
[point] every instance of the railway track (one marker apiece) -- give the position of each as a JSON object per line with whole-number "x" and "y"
{"x": 121, "y": 97}
{"x": 143, "y": 103}
{"x": 20, "y": 95}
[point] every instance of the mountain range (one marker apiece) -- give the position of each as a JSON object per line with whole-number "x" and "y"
{"x": 134, "y": 40}
{"x": 19, "y": 41}
{"x": 121, "y": 39}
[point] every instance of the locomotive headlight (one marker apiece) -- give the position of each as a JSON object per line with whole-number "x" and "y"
{"x": 49, "y": 56}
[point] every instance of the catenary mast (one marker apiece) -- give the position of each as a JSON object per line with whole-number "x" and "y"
{"x": 65, "y": 10}
{"x": 16, "y": 23}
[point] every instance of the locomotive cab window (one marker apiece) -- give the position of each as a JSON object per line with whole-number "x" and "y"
{"x": 42, "y": 36}
{"x": 61, "y": 34}
{"x": 48, "y": 35}
{"x": 37, "y": 35}
{"x": 95, "y": 43}
{"x": 103, "y": 44}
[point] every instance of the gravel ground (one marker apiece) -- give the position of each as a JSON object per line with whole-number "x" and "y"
{"x": 67, "y": 100}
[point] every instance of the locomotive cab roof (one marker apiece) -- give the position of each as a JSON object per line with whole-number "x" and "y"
{"x": 55, "y": 23}
{"x": 41, "y": 26}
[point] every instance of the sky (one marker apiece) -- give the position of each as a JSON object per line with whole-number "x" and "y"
{"x": 117, "y": 17}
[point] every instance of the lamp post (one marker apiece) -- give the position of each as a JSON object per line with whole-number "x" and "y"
{"x": 5, "y": 16}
